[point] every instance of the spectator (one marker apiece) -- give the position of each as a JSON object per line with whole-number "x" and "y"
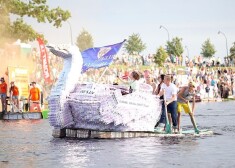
{"x": 14, "y": 95}
{"x": 34, "y": 98}
{"x": 3, "y": 94}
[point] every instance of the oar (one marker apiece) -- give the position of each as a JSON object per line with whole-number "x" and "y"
{"x": 168, "y": 126}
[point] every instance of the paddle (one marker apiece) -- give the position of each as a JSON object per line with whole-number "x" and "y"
{"x": 192, "y": 119}
{"x": 168, "y": 126}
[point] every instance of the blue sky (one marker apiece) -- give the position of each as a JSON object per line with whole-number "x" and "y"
{"x": 111, "y": 21}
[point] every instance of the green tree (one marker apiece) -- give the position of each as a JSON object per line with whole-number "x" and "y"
{"x": 84, "y": 40}
{"x": 208, "y": 49}
{"x": 134, "y": 44}
{"x": 160, "y": 56}
{"x": 232, "y": 51}
{"x": 37, "y": 9}
{"x": 174, "y": 47}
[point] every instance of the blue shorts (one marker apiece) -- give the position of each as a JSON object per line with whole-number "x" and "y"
{"x": 15, "y": 97}
{"x": 3, "y": 95}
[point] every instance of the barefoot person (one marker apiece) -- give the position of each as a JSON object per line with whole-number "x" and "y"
{"x": 161, "y": 123}
{"x": 184, "y": 96}
{"x": 169, "y": 90}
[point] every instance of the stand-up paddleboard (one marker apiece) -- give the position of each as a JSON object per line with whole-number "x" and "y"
{"x": 187, "y": 132}
{"x": 201, "y": 132}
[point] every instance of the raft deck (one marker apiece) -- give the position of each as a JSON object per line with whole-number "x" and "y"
{"x": 22, "y": 115}
{"x": 92, "y": 134}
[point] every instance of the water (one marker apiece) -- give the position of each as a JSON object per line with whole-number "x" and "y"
{"x": 29, "y": 144}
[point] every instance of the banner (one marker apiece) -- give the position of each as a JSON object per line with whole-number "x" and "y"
{"x": 20, "y": 76}
{"x": 100, "y": 56}
{"x": 44, "y": 58}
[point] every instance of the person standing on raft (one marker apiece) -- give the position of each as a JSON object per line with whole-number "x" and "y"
{"x": 184, "y": 96}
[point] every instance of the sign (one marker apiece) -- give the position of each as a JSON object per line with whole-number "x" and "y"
{"x": 44, "y": 58}
{"x": 20, "y": 76}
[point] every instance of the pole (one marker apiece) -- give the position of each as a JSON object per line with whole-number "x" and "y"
{"x": 102, "y": 74}
{"x": 168, "y": 126}
{"x": 187, "y": 50}
{"x": 167, "y": 32}
{"x": 220, "y": 32}
{"x": 71, "y": 36}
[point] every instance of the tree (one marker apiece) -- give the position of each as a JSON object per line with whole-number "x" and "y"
{"x": 174, "y": 47}
{"x": 84, "y": 40}
{"x": 134, "y": 44}
{"x": 160, "y": 56}
{"x": 37, "y": 9}
{"x": 208, "y": 49}
{"x": 232, "y": 51}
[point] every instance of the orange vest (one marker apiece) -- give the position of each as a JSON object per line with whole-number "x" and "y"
{"x": 3, "y": 87}
{"x": 15, "y": 91}
{"x": 35, "y": 94}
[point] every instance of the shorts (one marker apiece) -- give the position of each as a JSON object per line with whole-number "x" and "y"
{"x": 185, "y": 106}
{"x": 15, "y": 97}
{"x": 3, "y": 95}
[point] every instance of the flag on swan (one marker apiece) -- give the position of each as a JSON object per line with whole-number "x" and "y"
{"x": 100, "y": 56}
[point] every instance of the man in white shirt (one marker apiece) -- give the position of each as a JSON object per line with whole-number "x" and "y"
{"x": 170, "y": 97}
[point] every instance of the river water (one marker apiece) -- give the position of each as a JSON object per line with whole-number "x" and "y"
{"x": 29, "y": 144}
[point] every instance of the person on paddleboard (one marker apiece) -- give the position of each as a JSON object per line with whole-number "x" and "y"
{"x": 161, "y": 123}
{"x": 185, "y": 95}
{"x": 169, "y": 90}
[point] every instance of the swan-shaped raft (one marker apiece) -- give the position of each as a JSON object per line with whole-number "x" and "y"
{"x": 98, "y": 106}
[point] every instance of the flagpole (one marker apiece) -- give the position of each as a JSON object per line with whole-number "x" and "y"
{"x": 102, "y": 74}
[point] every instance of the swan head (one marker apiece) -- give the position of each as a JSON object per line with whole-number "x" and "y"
{"x": 71, "y": 52}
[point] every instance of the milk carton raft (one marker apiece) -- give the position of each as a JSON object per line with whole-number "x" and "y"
{"x": 103, "y": 107}
{"x": 96, "y": 106}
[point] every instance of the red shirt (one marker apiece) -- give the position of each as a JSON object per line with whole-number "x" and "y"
{"x": 15, "y": 91}
{"x": 35, "y": 94}
{"x": 3, "y": 88}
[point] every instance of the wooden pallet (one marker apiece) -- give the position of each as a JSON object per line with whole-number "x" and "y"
{"x": 22, "y": 115}
{"x": 91, "y": 134}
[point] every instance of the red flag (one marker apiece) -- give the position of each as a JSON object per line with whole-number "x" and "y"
{"x": 44, "y": 58}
